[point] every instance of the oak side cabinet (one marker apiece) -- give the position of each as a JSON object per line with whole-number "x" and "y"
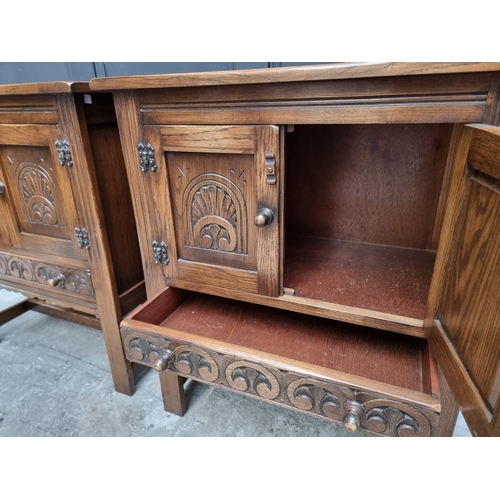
{"x": 323, "y": 238}
{"x": 68, "y": 239}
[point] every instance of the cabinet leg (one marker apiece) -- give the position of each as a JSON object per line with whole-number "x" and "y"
{"x": 449, "y": 410}
{"x": 121, "y": 368}
{"x": 172, "y": 389}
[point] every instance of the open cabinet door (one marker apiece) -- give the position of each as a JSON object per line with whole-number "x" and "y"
{"x": 463, "y": 321}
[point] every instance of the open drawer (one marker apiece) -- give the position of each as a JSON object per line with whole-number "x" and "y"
{"x": 378, "y": 382}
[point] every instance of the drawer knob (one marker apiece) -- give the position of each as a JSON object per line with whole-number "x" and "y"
{"x": 352, "y": 417}
{"x": 162, "y": 363}
{"x": 55, "y": 280}
{"x": 264, "y": 217}
{"x": 2, "y": 188}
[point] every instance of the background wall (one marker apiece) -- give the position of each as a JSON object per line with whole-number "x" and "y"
{"x": 13, "y": 72}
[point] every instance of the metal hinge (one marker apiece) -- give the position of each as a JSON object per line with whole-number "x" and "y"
{"x": 160, "y": 254}
{"x": 147, "y": 157}
{"x": 64, "y": 153}
{"x": 82, "y": 237}
{"x": 271, "y": 168}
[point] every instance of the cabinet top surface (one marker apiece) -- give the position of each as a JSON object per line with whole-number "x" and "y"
{"x": 337, "y": 71}
{"x": 60, "y": 87}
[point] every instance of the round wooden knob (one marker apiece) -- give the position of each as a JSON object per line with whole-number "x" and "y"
{"x": 264, "y": 217}
{"x": 353, "y": 415}
{"x": 54, "y": 281}
{"x": 2, "y": 188}
{"x": 162, "y": 363}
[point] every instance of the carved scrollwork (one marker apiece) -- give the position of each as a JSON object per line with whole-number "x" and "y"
{"x": 394, "y": 419}
{"x": 37, "y": 190}
{"x": 3, "y": 264}
{"x": 192, "y": 361}
{"x": 144, "y": 349}
{"x": 250, "y": 377}
{"x": 78, "y": 282}
{"x": 20, "y": 268}
{"x": 355, "y": 409}
{"x": 321, "y": 398}
{"x": 45, "y": 272}
{"x": 217, "y": 214}
{"x": 73, "y": 280}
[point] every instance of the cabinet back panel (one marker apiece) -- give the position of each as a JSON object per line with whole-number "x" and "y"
{"x": 376, "y": 184}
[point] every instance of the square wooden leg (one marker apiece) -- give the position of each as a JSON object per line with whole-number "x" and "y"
{"x": 172, "y": 389}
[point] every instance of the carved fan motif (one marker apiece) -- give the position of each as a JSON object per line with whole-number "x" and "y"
{"x": 37, "y": 191}
{"x": 214, "y": 219}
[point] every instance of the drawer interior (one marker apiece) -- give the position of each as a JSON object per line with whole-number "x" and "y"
{"x": 373, "y": 354}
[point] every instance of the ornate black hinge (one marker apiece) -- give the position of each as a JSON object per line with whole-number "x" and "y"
{"x": 160, "y": 254}
{"x": 147, "y": 157}
{"x": 82, "y": 237}
{"x": 64, "y": 153}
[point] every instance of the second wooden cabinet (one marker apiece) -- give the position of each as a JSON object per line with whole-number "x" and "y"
{"x": 68, "y": 239}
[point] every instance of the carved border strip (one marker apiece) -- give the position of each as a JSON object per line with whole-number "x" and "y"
{"x": 75, "y": 281}
{"x": 375, "y": 414}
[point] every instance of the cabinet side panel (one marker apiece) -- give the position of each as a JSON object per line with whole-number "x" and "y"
{"x": 116, "y": 204}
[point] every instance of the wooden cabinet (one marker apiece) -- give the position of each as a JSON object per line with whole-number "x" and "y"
{"x": 321, "y": 238}
{"x": 67, "y": 234}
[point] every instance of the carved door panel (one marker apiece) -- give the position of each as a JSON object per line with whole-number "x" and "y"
{"x": 39, "y": 189}
{"x": 464, "y": 321}
{"x": 210, "y": 184}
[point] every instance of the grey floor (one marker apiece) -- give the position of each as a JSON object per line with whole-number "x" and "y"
{"x": 55, "y": 381}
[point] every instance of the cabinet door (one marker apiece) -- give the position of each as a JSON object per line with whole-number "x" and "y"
{"x": 463, "y": 323}
{"x": 215, "y": 194}
{"x": 38, "y": 190}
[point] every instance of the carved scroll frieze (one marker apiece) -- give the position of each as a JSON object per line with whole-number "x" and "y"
{"x": 37, "y": 188}
{"x": 250, "y": 377}
{"x": 191, "y": 361}
{"x": 72, "y": 280}
{"x": 216, "y": 215}
{"x": 356, "y": 409}
{"x": 377, "y": 415}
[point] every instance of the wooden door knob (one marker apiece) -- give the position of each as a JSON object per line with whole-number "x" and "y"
{"x": 162, "y": 363}
{"x": 353, "y": 416}
{"x": 2, "y": 188}
{"x": 264, "y": 217}
{"x": 54, "y": 281}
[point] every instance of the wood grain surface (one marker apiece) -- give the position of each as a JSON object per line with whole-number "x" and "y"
{"x": 379, "y": 278}
{"x": 388, "y": 358}
{"x": 304, "y": 73}
{"x": 369, "y": 183}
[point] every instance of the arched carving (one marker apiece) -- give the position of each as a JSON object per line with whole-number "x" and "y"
{"x": 37, "y": 188}
{"x": 216, "y": 214}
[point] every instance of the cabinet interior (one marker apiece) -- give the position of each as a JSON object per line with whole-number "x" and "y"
{"x": 363, "y": 213}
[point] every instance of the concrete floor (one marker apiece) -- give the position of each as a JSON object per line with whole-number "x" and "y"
{"x": 55, "y": 381}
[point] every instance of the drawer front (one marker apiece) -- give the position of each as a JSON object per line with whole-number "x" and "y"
{"x": 355, "y": 407}
{"x": 31, "y": 274}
